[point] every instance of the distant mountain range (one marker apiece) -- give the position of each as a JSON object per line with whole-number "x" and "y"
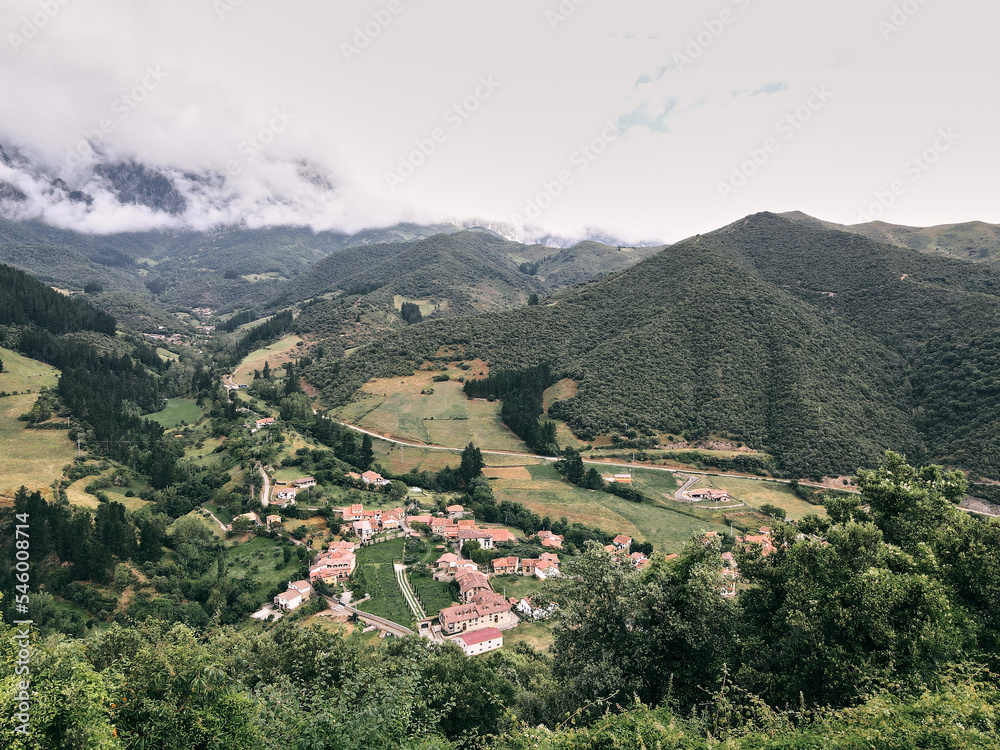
{"x": 819, "y": 346}
{"x": 974, "y": 241}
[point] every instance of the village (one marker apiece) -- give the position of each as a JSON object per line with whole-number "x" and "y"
{"x": 482, "y": 614}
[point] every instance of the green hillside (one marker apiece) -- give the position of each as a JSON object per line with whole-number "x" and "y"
{"x": 974, "y": 241}
{"x": 736, "y": 333}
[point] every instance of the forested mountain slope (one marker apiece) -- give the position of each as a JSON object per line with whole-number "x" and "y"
{"x": 736, "y": 332}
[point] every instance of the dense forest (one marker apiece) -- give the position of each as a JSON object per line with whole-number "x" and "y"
{"x": 820, "y": 347}
{"x": 521, "y": 392}
{"x": 877, "y": 627}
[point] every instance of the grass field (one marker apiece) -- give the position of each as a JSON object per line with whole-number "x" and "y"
{"x": 426, "y": 306}
{"x": 517, "y": 585}
{"x": 33, "y": 458}
{"x": 262, "y": 561}
{"x": 403, "y": 458}
{"x": 754, "y": 494}
{"x": 395, "y": 407}
{"x": 77, "y": 495}
{"x": 546, "y": 494}
{"x": 23, "y": 374}
{"x": 177, "y": 411}
{"x": 387, "y": 600}
{"x": 222, "y": 514}
{"x": 538, "y": 635}
{"x": 561, "y": 391}
{"x": 276, "y": 355}
{"x": 653, "y": 483}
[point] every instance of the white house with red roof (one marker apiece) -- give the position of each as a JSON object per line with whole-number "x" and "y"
{"x": 480, "y": 641}
{"x": 622, "y": 542}
{"x": 374, "y": 478}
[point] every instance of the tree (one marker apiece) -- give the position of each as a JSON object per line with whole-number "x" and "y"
{"x": 410, "y": 312}
{"x": 774, "y": 511}
{"x": 593, "y": 480}
{"x": 266, "y": 374}
{"x": 472, "y": 463}
{"x": 533, "y": 299}
{"x": 1, "y": 365}
{"x": 367, "y": 454}
{"x": 572, "y": 466}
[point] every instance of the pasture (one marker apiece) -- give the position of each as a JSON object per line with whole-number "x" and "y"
{"x": 396, "y": 408}
{"x": 33, "y": 458}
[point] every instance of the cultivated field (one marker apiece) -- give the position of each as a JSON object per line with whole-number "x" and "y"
{"x": 33, "y": 458}
{"x": 546, "y": 494}
{"x": 403, "y": 458}
{"x": 177, "y": 411}
{"x": 756, "y": 493}
{"x": 433, "y": 595}
{"x": 396, "y": 408}
{"x": 387, "y": 600}
{"x": 277, "y": 354}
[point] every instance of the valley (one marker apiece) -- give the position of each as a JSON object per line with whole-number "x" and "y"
{"x": 451, "y": 450}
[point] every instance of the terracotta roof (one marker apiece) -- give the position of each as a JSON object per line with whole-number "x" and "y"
{"x": 479, "y": 636}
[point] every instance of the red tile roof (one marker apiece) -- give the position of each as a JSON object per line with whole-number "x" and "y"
{"x": 479, "y": 636}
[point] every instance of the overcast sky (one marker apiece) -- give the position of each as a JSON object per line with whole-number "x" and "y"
{"x": 648, "y": 119}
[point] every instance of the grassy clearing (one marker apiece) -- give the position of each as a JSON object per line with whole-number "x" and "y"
{"x": 426, "y": 306}
{"x": 654, "y": 483}
{"x": 77, "y": 495}
{"x": 666, "y": 529}
{"x": 755, "y": 493}
{"x": 178, "y": 411}
{"x": 277, "y": 354}
{"x": 375, "y": 565}
{"x": 403, "y": 458}
{"x": 395, "y": 407}
{"x": 546, "y": 494}
{"x": 538, "y": 635}
{"x": 517, "y": 585}
{"x": 221, "y": 513}
{"x": 261, "y": 560}
{"x": 23, "y": 374}
{"x": 33, "y": 458}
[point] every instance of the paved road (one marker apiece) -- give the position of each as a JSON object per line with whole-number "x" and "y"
{"x": 265, "y": 493}
{"x": 694, "y": 474}
{"x": 404, "y": 586}
{"x": 593, "y": 462}
{"x": 221, "y": 524}
{"x": 679, "y": 495}
{"x": 381, "y": 623}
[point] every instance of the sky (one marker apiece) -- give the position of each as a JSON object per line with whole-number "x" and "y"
{"x": 646, "y": 119}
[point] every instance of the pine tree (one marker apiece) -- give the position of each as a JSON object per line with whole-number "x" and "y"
{"x": 472, "y": 463}
{"x": 367, "y": 454}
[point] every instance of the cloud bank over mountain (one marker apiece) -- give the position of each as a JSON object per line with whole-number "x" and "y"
{"x": 342, "y": 116}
